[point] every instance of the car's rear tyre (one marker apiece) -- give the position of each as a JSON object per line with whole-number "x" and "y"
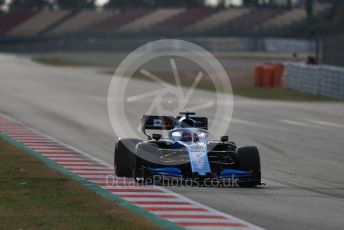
{"x": 124, "y": 153}
{"x": 249, "y": 160}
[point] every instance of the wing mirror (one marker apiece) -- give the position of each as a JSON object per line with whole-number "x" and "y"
{"x": 224, "y": 138}
{"x": 156, "y": 136}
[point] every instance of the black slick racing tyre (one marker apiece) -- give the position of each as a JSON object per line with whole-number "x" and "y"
{"x": 249, "y": 160}
{"x": 124, "y": 153}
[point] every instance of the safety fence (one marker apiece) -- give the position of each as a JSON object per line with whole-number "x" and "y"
{"x": 321, "y": 80}
{"x": 230, "y": 44}
{"x": 332, "y": 49}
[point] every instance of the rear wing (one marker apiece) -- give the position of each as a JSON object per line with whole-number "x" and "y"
{"x": 159, "y": 122}
{"x": 168, "y": 123}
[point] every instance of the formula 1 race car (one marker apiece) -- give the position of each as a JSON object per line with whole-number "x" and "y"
{"x": 186, "y": 153}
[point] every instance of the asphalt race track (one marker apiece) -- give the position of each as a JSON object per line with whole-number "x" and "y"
{"x": 301, "y": 144}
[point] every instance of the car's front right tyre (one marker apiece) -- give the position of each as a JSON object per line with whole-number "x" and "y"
{"x": 249, "y": 160}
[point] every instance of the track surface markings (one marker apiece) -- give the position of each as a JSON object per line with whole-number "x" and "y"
{"x": 158, "y": 200}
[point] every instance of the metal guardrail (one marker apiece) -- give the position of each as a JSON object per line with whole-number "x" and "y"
{"x": 318, "y": 80}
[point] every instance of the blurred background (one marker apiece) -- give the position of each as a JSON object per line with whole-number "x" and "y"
{"x": 244, "y": 34}
{"x": 284, "y": 58}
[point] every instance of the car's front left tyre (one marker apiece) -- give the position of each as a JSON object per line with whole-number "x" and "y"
{"x": 124, "y": 153}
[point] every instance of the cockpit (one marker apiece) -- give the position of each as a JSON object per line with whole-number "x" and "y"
{"x": 188, "y": 135}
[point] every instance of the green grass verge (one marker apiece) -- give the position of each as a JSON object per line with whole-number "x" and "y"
{"x": 33, "y": 196}
{"x": 282, "y": 94}
{"x": 56, "y": 61}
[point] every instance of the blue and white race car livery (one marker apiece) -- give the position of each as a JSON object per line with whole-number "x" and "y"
{"x": 186, "y": 153}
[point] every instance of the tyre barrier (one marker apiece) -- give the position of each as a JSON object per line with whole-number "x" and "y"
{"x": 278, "y": 75}
{"x": 268, "y": 76}
{"x": 258, "y": 76}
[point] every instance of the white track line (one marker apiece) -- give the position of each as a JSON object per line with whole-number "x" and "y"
{"x": 297, "y": 123}
{"x": 326, "y": 123}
